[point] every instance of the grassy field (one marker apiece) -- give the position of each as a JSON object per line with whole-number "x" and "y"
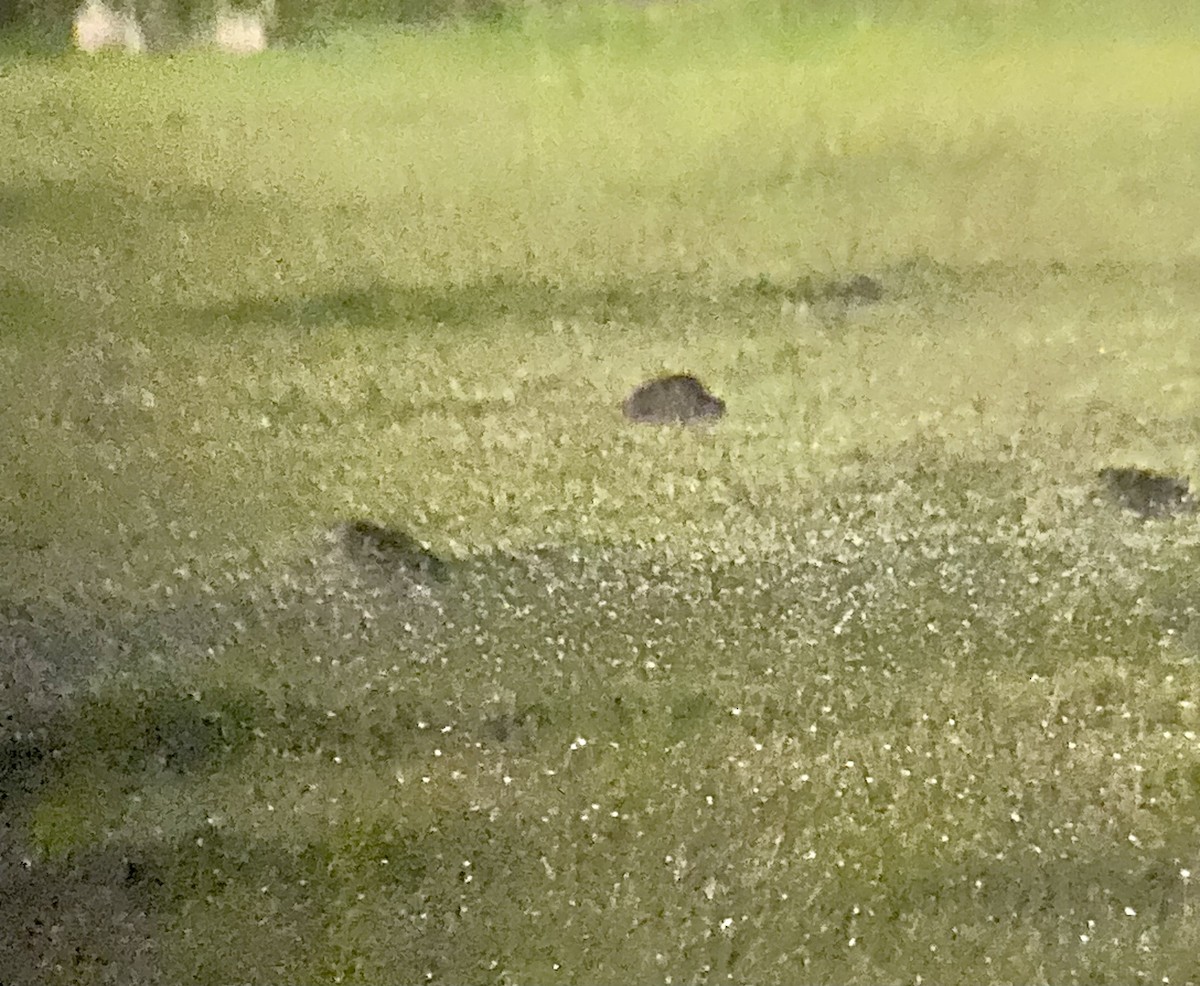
{"x": 863, "y": 683}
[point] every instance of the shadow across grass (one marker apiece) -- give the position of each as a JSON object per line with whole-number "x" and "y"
{"x": 382, "y": 301}
{"x": 499, "y": 296}
{"x": 504, "y": 295}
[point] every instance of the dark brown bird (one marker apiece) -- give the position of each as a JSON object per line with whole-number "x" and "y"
{"x": 677, "y": 399}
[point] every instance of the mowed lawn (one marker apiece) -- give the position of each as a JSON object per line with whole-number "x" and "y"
{"x": 866, "y": 682}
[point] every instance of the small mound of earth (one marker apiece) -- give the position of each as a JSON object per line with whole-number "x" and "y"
{"x": 373, "y": 545}
{"x": 1148, "y": 494}
{"x": 677, "y": 399}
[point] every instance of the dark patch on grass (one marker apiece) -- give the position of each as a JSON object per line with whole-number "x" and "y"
{"x": 916, "y": 276}
{"x": 454, "y": 305}
{"x": 67, "y": 206}
{"x": 22, "y": 766}
{"x": 861, "y": 289}
{"x": 364, "y": 306}
{"x": 516, "y": 730}
{"x": 183, "y": 733}
{"x": 1148, "y": 494}
{"x": 536, "y": 301}
{"x": 691, "y": 712}
{"x": 834, "y": 293}
{"x": 24, "y": 310}
{"x": 44, "y": 658}
{"x": 74, "y": 922}
{"x": 388, "y": 549}
{"x": 197, "y": 883}
{"x": 120, "y": 222}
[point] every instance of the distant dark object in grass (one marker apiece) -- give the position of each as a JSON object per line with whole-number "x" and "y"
{"x": 678, "y": 399}
{"x": 859, "y": 290}
{"x": 380, "y": 547}
{"x": 1148, "y": 494}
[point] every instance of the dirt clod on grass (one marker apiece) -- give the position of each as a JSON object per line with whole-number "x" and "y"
{"x": 677, "y": 399}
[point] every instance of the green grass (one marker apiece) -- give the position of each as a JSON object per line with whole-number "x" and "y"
{"x": 863, "y": 683}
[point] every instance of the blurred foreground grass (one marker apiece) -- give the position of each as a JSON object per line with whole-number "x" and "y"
{"x": 861, "y": 684}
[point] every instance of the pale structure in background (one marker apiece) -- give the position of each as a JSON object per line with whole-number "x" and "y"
{"x": 240, "y": 33}
{"x": 98, "y": 26}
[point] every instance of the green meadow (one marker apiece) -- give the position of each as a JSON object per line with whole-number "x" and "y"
{"x": 866, "y": 682}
